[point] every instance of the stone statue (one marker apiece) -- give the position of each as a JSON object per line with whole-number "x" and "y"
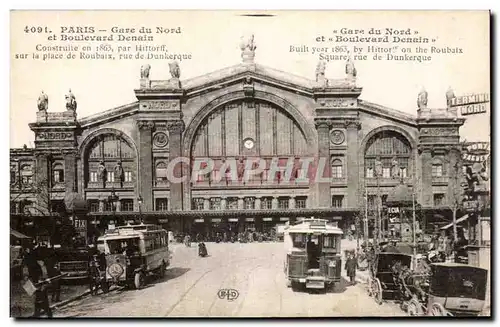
{"x": 145, "y": 71}
{"x": 450, "y": 95}
{"x": 101, "y": 171}
{"x": 248, "y": 49}
{"x": 119, "y": 171}
{"x": 320, "y": 71}
{"x": 43, "y": 102}
{"x": 175, "y": 70}
{"x": 378, "y": 167}
{"x": 422, "y": 99}
{"x": 395, "y": 168}
{"x": 350, "y": 70}
{"x": 70, "y": 101}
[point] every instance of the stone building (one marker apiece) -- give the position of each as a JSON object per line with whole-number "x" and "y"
{"x": 238, "y": 112}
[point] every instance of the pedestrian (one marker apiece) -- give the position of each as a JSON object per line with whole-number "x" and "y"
{"x": 55, "y": 285}
{"x": 350, "y": 266}
{"x": 42, "y": 298}
{"x": 93, "y": 277}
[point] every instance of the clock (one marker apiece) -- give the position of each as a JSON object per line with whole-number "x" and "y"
{"x": 337, "y": 137}
{"x": 248, "y": 143}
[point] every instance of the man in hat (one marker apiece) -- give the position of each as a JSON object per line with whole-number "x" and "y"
{"x": 350, "y": 266}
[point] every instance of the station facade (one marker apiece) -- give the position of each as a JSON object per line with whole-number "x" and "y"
{"x": 118, "y": 160}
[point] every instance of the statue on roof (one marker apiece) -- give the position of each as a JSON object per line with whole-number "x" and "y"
{"x": 43, "y": 102}
{"x": 422, "y": 99}
{"x": 70, "y": 101}
{"x": 320, "y": 72}
{"x": 450, "y": 95}
{"x": 378, "y": 167}
{"x": 145, "y": 71}
{"x": 248, "y": 49}
{"x": 350, "y": 70}
{"x": 175, "y": 69}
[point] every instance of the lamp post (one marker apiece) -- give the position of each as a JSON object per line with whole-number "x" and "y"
{"x": 112, "y": 199}
{"x": 139, "y": 202}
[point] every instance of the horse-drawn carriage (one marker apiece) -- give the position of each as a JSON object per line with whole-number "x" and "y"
{"x": 425, "y": 288}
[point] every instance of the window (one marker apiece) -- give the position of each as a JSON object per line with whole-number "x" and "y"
{"x": 336, "y": 168}
{"x": 386, "y": 172}
{"x": 27, "y": 174}
{"x": 127, "y": 205}
{"x": 369, "y": 172}
{"x": 93, "y": 206}
{"x": 109, "y": 206}
{"x": 329, "y": 241}
{"x": 249, "y": 203}
{"x": 161, "y": 171}
{"x": 266, "y": 203}
{"x": 128, "y": 176}
{"x": 298, "y": 240}
{"x": 437, "y": 170}
{"x": 402, "y": 172}
{"x": 215, "y": 204}
{"x": 57, "y": 174}
{"x": 13, "y": 177}
{"x": 394, "y": 152}
{"x": 28, "y": 180}
{"x": 337, "y": 201}
{"x": 372, "y": 201}
{"x": 93, "y": 176}
{"x": 283, "y": 203}
{"x": 439, "y": 199}
{"x": 198, "y": 204}
{"x": 162, "y": 204}
{"x": 111, "y": 176}
{"x": 301, "y": 202}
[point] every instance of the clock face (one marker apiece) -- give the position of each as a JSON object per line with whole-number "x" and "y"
{"x": 248, "y": 143}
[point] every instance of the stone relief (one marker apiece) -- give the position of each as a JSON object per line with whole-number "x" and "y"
{"x": 337, "y": 137}
{"x": 160, "y": 140}
{"x": 55, "y": 135}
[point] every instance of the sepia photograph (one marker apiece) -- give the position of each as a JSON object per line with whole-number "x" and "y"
{"x": 240, "y": 164}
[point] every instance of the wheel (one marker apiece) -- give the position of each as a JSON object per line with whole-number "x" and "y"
{"x": 369, "y": 287}
{"x": 414, "y": 308}
{"x": 377, "y": 291}
{"x": 162, "y": 269}
{"x": 438, "y": 310}
{"x": 104, "y": 286}
{"x": 139, "y": 280}
{"x": 295, "y": 286}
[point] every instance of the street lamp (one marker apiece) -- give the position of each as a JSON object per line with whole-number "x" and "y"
{"x": 113, "y": 198}
{"x": 139, "y": 201}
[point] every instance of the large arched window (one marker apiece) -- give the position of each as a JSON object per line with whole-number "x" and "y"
{"x": 393, "y": 151}
{"x": 57, "y": 173}
{"x": 110, "y": 162}
{"x": 337, "y": 171}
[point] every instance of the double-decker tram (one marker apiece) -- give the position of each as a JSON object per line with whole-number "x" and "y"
{"x": 313, "y": 257}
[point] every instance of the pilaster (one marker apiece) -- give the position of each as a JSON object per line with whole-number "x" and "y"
{"x": 352, "y": 164}
{"x": 175, "y": 130}
{"x": 145, "y": 180}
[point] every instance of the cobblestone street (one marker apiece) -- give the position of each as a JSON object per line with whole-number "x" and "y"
{"x": 256, "y": 270}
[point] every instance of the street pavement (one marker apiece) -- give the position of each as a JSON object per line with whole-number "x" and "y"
{"x": 190, "y": 289}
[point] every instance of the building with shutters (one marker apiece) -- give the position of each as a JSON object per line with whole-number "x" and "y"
{"x": 239, "y": 112}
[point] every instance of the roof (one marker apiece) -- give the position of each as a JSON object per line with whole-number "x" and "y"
{"x": 310, "y": 226}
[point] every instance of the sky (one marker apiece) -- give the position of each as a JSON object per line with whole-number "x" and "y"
{"x": 213, "y": 38}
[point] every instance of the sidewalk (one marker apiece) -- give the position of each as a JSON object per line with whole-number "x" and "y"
{"x": 22, "y": 305}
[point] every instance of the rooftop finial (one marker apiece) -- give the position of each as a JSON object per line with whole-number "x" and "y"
{"x": 422, "y": 99}
{"x": 248, "y": 49}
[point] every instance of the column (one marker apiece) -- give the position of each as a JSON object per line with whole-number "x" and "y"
{"x": 118, "y": 206}
{"x": 258, "y": 202}
{"x": 70, "y": 171}
{"x": 101, "y": 205}
{"x": 322, "y": 188}
{"x": 241, "y": 203}
{"x": 206, "y": 204}
{"x": 223, "y": 203}
{"x": 291, "y": 202}
{"x": 146, "y": 164}
{"x": 274, "y": 202}
{"x": 175, "y": 129}
{"x": 352, "y": 163}
{"x": 42, "y": 181}
{"x": 426, "y": 177}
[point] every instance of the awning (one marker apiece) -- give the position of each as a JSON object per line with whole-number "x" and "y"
{"x": 458, "y": 221}
{"x": 18, "y": 235}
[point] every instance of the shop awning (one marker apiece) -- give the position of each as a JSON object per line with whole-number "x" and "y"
{"x": 18, "y": 235}
{"x": 458, "y": 222}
